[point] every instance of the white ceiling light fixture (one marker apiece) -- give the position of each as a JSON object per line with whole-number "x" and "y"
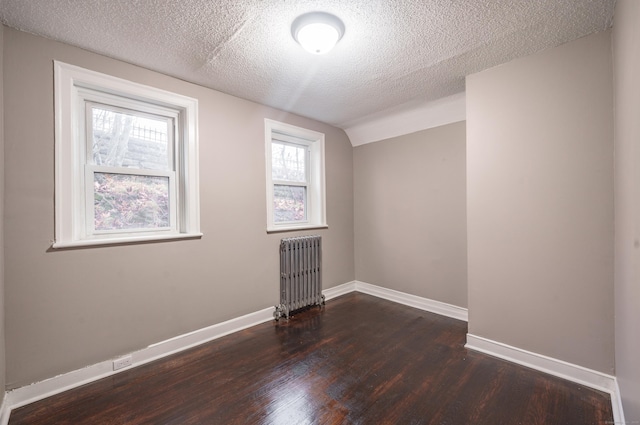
{"x": 317, "y": 32}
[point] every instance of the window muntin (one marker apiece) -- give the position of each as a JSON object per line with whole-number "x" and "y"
{"x": 126, "y": 161}
{"x": 295, "y": 177}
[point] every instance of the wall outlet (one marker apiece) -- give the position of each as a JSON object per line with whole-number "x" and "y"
{"x": 122, "y": 362}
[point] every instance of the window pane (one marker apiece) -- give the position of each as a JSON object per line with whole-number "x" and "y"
{"x": 289, "y": 203}
{"x": 131, "y": 141}
{"x": 288, "y": 162}
{"x": 123, "y": 201}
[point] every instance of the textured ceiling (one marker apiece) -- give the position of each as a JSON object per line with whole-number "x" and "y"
{"x": 393, "y": 52}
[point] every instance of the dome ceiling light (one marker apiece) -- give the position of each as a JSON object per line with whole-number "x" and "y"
{"x": 317, "y": 32}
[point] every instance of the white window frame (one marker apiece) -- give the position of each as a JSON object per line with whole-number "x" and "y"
{"x": 316, "y": 197}
{"x": 74, "y": 88}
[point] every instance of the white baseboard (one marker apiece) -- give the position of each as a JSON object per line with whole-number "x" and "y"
{"x": 571, "y": 372}
{"x": 40, "y": 390}
{"x": 336, "y": 291}
{"x": 43, "y": 389}
{"x": 5, "y": 411}
{"x": 616, "y": 404}
{"x": 415, "y": 301}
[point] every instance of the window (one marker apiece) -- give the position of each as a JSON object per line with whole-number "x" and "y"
{"x": 295, "y": 177}
{"x": 126, "y": 161}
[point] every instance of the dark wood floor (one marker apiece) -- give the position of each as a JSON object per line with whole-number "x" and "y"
{"x": 360, "y": 360}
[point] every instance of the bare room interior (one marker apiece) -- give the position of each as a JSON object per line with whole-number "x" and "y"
{"x": 465, "y": 176}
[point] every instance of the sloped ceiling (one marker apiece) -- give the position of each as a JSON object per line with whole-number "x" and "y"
{"x": 393, "y": 53}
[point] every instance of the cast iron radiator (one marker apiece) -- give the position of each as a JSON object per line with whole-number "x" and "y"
{"x": 300, "y": 274}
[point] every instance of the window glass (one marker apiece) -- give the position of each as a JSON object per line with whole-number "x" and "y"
{"x": 289, "y": 203}
{"x": 288, "y": 162}
{"x": 128, "y": 201}
{"x": 131, "y": 140}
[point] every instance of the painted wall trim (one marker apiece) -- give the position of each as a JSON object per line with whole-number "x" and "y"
{"x": 415, "y": 301}
{"x": 571, "y": 372}
{"x": 406, "y": 119}
{"x": 336, "y": 291}
{"x": 40, "y": 390}
{"x": 5, "y": 409}
{"x": 590, "y": 378}
{"x": 43, "y": 389}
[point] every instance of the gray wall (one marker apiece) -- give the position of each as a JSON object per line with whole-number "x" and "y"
{"x": 410, "y": 214}
{"x": 540, "y": 203}
{"x": 2, "y": 167}
{"x": 68, "y": 309}
{"x": 626, "y": 45}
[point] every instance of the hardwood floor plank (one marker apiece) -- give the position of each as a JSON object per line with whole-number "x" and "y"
{"x": 360, "y": 360}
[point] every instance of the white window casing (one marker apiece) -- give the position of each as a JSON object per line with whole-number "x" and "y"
{"x": 76, "y": 89}
{"x": 314, "y": 181}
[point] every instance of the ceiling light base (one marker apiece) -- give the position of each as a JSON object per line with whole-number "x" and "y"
{"x": 317, "y": 32}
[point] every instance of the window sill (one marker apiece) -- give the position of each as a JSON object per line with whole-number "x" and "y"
{"x": 292, "y": 228}
{"x": 125, "y": 240}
